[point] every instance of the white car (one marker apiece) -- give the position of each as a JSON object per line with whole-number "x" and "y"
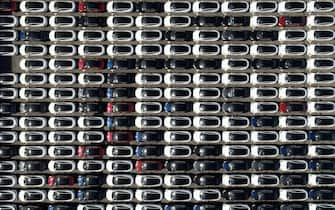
{"x": 315, "y": 121}
{"x": 32, "y": 64}
{"x": 32, "y": 151}
{"x": 120, "y": 206}
{"x": 177, "y": 49}
{"x": 294, "y": 35}
{"x": 62, "y": 93}
{"x": 149, "y": 78}
{"x": 33, "y": 93}
{"x": 235, "y": 78}
{"x": 120, "y": 50}
{"x": 184, "y": 136}
{"x": 206, "y": 122}
{"x": 112, "y": 21}
{"x": 206, "y": 35}
{"x": 177, "y": 78}
{"x": 11, "y": 137}
{"x": 263, "y": 93}
{"x": 228, "y": 150}
{"x": 268, "y": 21}
{"x": 256, "y": 178}
{"x": 320, "y": 35}
{"x": 300, "y": 121}
{"x": 8, "y": 21}
{"x": 179, "y": 6}
{"x": 59, "y": 64}
{"x": 113, "y": 151}
{"x": 321, "y": 64}
{"x": 33, "y": 6}
{"x": 291, "y": 6}
{"x": 235, "y": 136}
{"x": 206, "y": 194}
{"x": 148, "y": 206}
{"x": 257, "y": 151}
{"x": 177, "y": 122}
{"x": 143, "y": 194}
{"x": 127, "y": 180}
{"x": 11, "y": 122}
{"x": 170, "y": 194}
{"x": 206, "y": 107}
{"x": 227, "y": 180}
{"x": 148, "y": 122}
{"x": 148, "y": 35}
{"x": 91, "y": 122}
{"x": 148, "y": 21}
{"x": 33, "y": 21}
{"x": 321, "y": 49}
{"x": 112, "y": 166}
{"x": 325, "y": 206}
{"x": 292, "y": 50}
{"x": 228, "y": 122}
{"x": 293, "y": 195}
{"x": 264, "y": 107}
{"x": 33, "y": 50}
{"x": 315, "y": 6}
{"x": 177, "y": 21}
{"x": 234, "y": 6}
{"x": 177, "y": 93}
{"x": 263, "y": 78}
{"x": 88, "y": 137}
{"x": 27, "y": 180}
{"x": 33, "y": 78}
{"x": 169, "y": 180}
{"x": 206, "y": 78}
{"x": 8, "y": 35}
{"x": 293, "y": 165}
{"x": 206, "y": 49}
{"x": 321, "y": 107}
{"x": 10, "y": 166}
{"x": 206, "y": 93}
{"x": 201, "y": 6}
{"x": 122, "y": 6}
{"x": 314, "y": 21}
{"x": 62, "y": 78}
{"x": 185, "y": 151}
{"x": 285, "y": 93}
{"x": 62, "y": 35}
{"x": 283, "y": 136}
{"x": 92, "y": 35}
{"x": 119, "y": 35}
{"x": 314, "y": 179}
{"x": 321, "y": 92}
{"x": 25, "y": 137}
{"x": 90, "y": 166}
{"x": 91, "y": 207}
{"x": 148, "y": 49}
{"x": 264, "y": 136}
{"x": 294, "y": 78}
{"x": 235, "y": 49}
{"x": 62, "y": 21}
{"x": 61, "y": 122}
{"x": 33, "y": 196}
{"x": 264, "y": 50}
{"x": 229, "y": 64}
{"x": 9, "y": 180}
{"x": 91, "y": 78}
{"x": 62, "y": 6}
{"x": 61, "y": 151}
{"x": 8, "y": 50}
{"x": 235, "y": 206}
{"x": 91, "y": 50}
{"x": 205, "y": 137}
{"x": 141, "y": 107}
{"x": 114, "y": 194}
{"x": 266, "y": 6}
{"x": 54, "y": 194}
{"x": 62, "y": 50}
{"x": 325, "y": 150}
{"x": 8, "y": 93}
{"x": 148, "y": 93}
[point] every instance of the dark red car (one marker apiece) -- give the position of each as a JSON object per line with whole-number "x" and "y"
{"x": 289, "y": 21}
{"x": 287, "y": 107}
{"x": 148, "y": 165}
{"x": 84, "y": 64}
{"x": 91, "y": 6}
{"x": 91, "y": 151}
{"x": 61, "y": 180}
{"x": 120, "y": 107}
{"x": 120, "y": 136}
{"x": 7, "y": 6}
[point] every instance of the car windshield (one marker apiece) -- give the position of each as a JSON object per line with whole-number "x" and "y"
{"x": 34, "y": 20}
{"x": 6, "y": 49}
{"x": 6, "y": 20}
{"x": 265, "y": 5}
{"x": 92, "y": 5}
{"x": 33, "y": 63}
{"x": 92, "y": 34}
{"x": 34, "y": 49}
{"x": 236, "y": 5}
{"x": 63, "y": 20}
{"x": 34, "y": 5}
{"x": 63, "y": 49}
{"x": 63, "y": 34}
{"x": 117, "y": 6}
{"x": 63, "y": 5}
{"x": 63, "y": 63}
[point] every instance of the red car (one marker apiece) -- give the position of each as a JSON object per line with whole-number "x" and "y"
{"x": 61, "y": 180}
{"x": 7, "y": 6}
{"x": 120, "y": 136}
{"x": 120, "y": 107}
{"x": 289, "y": 21}
{"x": 91, "y": 151}
{"x": 148, "y": 165}
{"x": 91, "y": 6}
{"x": 287, "y": 107}
{"x": 84, "y": 64}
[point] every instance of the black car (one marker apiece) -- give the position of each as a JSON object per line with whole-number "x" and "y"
{"x": 232, "y": 107}
{"x": 294, "y": 150}
{"x": 178, "y": 207}
{"x": 90, "y": 195}
{"x": 149, "y": 136}
{"x": 151, "y": 64}
{"x": 207, "y": 21}
{"x": 178, "y": 107}
{"x": 122, "y": 64}
{"x": 264, "y": 35}
{"x": 266, "y": 194}
{"x": 236, "y": 21}
{"x": 90, "y": 21}
{"x": 267, "y": 180}
{"x": 294, "y": 179}
{"x": 7, "y": 108}
{"x": 179, "y": 64}
{"x": 322, "y": 194}
{"x": 207, "y": 64}
{"x": 119, "y": 78}
{"x": 91, "y": 107}
{"x": 90, "y": 92}
{"x": 205, "y": 180}
{"x": 144, "y": 151}
{"x": 236, "y": 35}
{"x": 236, "y": 92}
{"x": 148, "y": 6}
{"x": 265, "y": 165}
{"x": 207, "y": 150}
{"x": 34, "y": 35}
{"x": 293, "y": 63}
{"x": 120, "y": 93}
{"x": 206, "y": 165}
{"x": 235, "y": 195}
{"x": 294, "y": 206}
{"x": 265, "y": 64}
{"x": 178, "y": 35}
{"x": 90, "y": 180}
{"x": 265, "y": 121}
{"x": 29, "y": 166}
{"x": 120, "y": 122}
{"x": 265, "y": 207}
{"x": 178, "y": 165}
